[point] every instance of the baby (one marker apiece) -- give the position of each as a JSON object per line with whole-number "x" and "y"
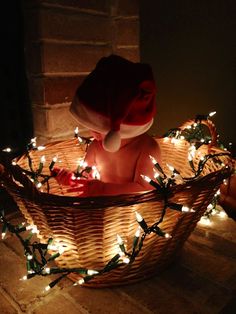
{"x": 117, "y": 103}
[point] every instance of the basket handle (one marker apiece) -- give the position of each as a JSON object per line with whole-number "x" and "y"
{"x": 211, "y": 127}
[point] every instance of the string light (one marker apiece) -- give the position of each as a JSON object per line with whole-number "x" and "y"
{"x": 92, "y": 272}
{"x": 211, "y": 114}
{"x": 54, "y": 160}
{"x": 7, "y": 150}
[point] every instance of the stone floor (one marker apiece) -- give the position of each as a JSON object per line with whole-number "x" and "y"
{"x": 203, "y": 280}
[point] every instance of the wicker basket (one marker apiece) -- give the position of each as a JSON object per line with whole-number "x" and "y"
{"x": 88, "y": 227}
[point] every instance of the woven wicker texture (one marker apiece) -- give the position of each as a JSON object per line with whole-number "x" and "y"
{"x": 87, "y": 227}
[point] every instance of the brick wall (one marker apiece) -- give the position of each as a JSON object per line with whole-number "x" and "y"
{"x": 63, "y": 41}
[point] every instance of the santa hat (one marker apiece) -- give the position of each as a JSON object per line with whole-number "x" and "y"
{"x": 118, "y": 99}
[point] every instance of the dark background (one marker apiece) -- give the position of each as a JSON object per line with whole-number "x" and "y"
{"x": 15, "y": 116}
{"x": 191, "y": 46}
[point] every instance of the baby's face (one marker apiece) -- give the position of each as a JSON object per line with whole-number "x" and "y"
{"x": 98, "y": 136}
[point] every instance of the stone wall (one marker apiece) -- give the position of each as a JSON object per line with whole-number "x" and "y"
{"x": 64, "y": 39}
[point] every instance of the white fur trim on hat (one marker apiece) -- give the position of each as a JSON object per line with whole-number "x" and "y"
{"x": 97, "y": 122}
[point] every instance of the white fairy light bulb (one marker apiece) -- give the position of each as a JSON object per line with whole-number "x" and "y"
{"x": 47, "y": 288}
{"x": 7, "y": 150}
{"x": 182, "y": 137}
{"x": 210, "y": 207}
{"x": 137, "y": 233}
{"x": 139, "y": 218}
{"x": 166, "y": 139}
{"x": 174, "y": 140}
{"x": 222, "y": 214}
{"x": 33, "y": 228}
{"x": 76, "y": 131}
{"x": 80, "y": 139}
{"x": 171, "y": 168}
{"x": 81, "y": 281}
{"x": 42, "y": 159}
{"x": 119, "y": 239}
{"x": 47, "y": 270}
{"x": 95, "y": 173}
{"x": 61, "y": 250}
{"x": 14, "y": 163}
{"x": 29, "y": 257}
{"x": 146, "y": 178}
{"x": 39, "y": 185}
{"x": 40, "y": 148}
{"x": 3, "y": 235}
{"x": 126, "y": 260}
{"x": 153, "y": 159}
{"x": 185, "y": 209}
{"x": 167, "y": 235}
{"x": 92, "y": 272}
{"x": 211, "y": 114}
{"x": 205, "y": 221}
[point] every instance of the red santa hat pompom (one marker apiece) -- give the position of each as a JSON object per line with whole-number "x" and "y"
{"x": 118, "y": 99}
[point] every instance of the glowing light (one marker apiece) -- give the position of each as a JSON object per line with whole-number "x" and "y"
{"x": 170, "y": 167}
{"x": 119, "y": 240}
{"x": 7, "y": 150}
{"x": 39, "y": 185}
{"x": 81, "y": 281}
{"x": 166, "y": 139}
{"x": 174, "y": 140}
{"x": 47, "y": 288}
{"x": 153, "y": 159}
{"x": 145, "y": 178}
{"x": 40, "y": 148}
{"x": 24, "y": 278}
{"x": 14, "y": 163}
{"x": 47, "y": 270}
{"x": 3, "y": 235}
{"x": 92, "y": 272}
{"x": 191, "y": 152}
{"x": 167, "y": 236}
{"x": 139, "y": 218}
{"x": 76, "y": 131}
{"x": 42, "y": 159}
{"x": 205, "y": 221}
{"x": 137, "y": 233}
{"x": 95, "y": 174}
{"x": 210, "y": 206}
{"x": 80, "y": 139}
{"x": 29, "y": 257}
{"x": 185, "y": 209}
{"x": 32, "y": 228}
{"x": 211, "y": 114}
{"x": 126, "y": 260}
{"x": 222, "y": 214}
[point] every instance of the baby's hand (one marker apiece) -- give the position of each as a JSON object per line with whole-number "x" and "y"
{"x": 63, "y": 176}
{"x": 87, "y": 188}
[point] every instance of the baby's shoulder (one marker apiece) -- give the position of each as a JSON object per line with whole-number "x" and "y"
{"x": 148, "y": 141}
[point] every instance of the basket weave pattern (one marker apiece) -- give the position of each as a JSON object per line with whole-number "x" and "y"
{"x": 88, "y": 226}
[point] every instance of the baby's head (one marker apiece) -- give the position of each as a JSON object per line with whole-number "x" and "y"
{"x": 117, "y": 99}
